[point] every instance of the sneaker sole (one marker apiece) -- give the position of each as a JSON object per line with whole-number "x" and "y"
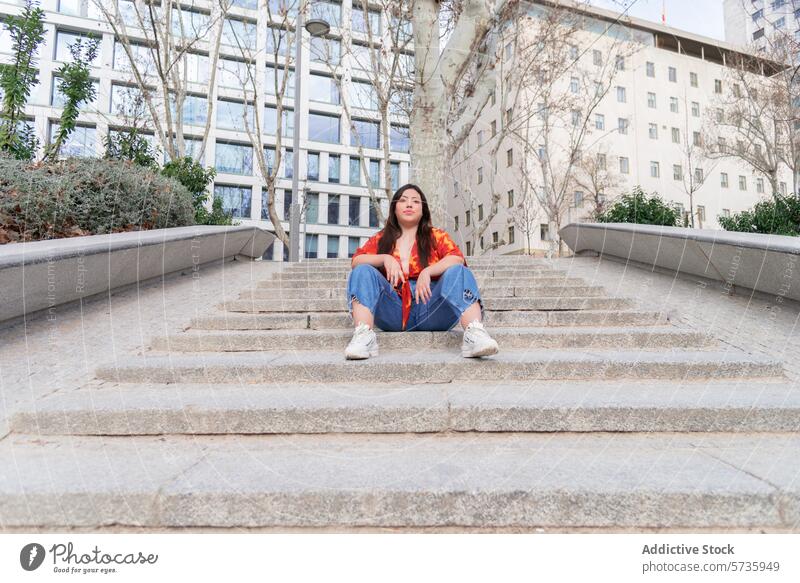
{"x": 360, "y": 356}
{"x": 486, "y": 351}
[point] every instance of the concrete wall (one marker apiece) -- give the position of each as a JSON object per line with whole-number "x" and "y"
{"x": 42, "y": 274}
{"x": 765, "y": 263}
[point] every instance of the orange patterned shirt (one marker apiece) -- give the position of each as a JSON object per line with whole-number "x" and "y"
{"x": 442, "y": 246}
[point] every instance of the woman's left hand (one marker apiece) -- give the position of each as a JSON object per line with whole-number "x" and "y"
{"x": 423, "y": 289}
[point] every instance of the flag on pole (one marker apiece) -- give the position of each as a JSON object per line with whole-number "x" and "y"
{"x": 663, "y": 11}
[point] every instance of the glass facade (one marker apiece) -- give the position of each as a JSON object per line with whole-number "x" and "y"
{"x": 235, "y": 199}
{"x": 323, "y": 128}
{"x": 234, "y": 158}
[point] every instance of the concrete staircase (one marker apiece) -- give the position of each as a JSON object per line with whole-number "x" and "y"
{"x": 594, "y": 414}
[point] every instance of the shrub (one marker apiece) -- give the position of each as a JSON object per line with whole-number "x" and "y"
{"x": 639, "y": 208}
{"x": 196, "y": 179}
{"x": 130, "y": 145}
{"x": 779, "y": 215}
{"x": 86, "y": 196}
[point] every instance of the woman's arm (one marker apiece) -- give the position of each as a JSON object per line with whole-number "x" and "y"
{"x": 368, "y": 258}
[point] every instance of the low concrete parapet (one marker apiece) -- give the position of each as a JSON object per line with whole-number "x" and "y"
{"x": 41, "y": 274}
{"x": 765, "y": 263}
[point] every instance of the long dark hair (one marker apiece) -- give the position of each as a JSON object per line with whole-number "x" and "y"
{"x": 392, "y": 229}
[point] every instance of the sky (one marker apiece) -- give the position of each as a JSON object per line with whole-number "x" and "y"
{"x": 697, "y": 16}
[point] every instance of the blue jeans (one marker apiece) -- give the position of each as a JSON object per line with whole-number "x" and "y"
{"x": 451, "y": 294}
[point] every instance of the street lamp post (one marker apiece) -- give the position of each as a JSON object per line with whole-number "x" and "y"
{"x": 315, "y": 27}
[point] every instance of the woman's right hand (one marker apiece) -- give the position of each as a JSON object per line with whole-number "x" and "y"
{"x": 394, "y": 272}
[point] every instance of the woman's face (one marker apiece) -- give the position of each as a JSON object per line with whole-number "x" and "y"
{"x": 409, "y": 208}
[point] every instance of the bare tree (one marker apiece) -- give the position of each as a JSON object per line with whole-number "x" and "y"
{"x": 165, "y": 48}
{"x": 594, "y": 175}
{"x": 756, "y": 115}
{"x": 526, "y": 215}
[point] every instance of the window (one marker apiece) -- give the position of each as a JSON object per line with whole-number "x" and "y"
{"x": 85, "y": 8}
{"x": 57, "y": 99}
{"x": 352, "y": 246}
{"x": 621, "y": 95}
{"x": 577, "y": 199}
{"x": 693, "y": 79}
{"x": 455, "y": 222}
{"x": 701, "y": 212}
{"x": 399, "y": 138}
{"x": 697, "y": 140}
{"x": 677, "y": 172}
{"x": 620, "y": 63}
{"x": 325, "y": 50}
{"x": 333, "y": 246}
{"x": 313, "y": 165}
{"x": 622, "y": 125}
{"x": 510, "y": 198}
{"x": 599, "y": 121}
{"x": 576, "y": 117}
{"x": 676, "y": 136}
{"x": 509, "y": 157}
{"x": 365, "y": 132}
{"x": 288, "y": 163}
{"x": 64, "y": 40}
{"x": 723, "y": 179}
{"x": 717, "y": 86}
{"x": 311, "y": 245}
{"x": 652, "y": 131}
{"x": 334, "y": 168}
{"x": 601, "y": 161}
{"x": 236, "y": 33}
{"x": 651, "y": 69}
{"x": 375, "y": 172}
{"x": 481, "y": 241}
{"x": 469, "y": 247}
{"x": 511, "y": 235}
{"x": 698, "y": 175}
{"x": 509, "y": 115}
{"x": 81, "y": 143}
{"x": 624, "y": 165}
{"x": 195, "y": 110}
{"x": 354, "y": 211}
{"x": 758, "y": 14}
{"x": 480, "y": 174}
{"x": 742, "y": 183}
{"x": 651, "y": 100}
{"x": 394, "y": 170}
{"x": 323, "y": 128}
{"x": 758, "y": 34}
{"x": 233, "y": 74}
{"x": 695, "y": 109}
{"x": 355, "y": 171}
{"x": 673, "y": 104}
{"x": 597, "y": 57}
{"x": 480, "y": 138}
{"x": 364, "y": 95}
{"x": 361, "y": 24}
{"x": 480, "y": 212}
{"x": 234, "y": 158}
{"x": 467, "y": 218}
{"x": 574, "y": 85}
{"x": 324, "y": 9}
{"x": 323, "y": 89}
{"x": 495, "y": 237}
{"x": 544, "y": 231}
{"x": 271, "y": 121}
{"x": 312, "y": 208}
{"x": 573, "y": 51}
{"x": 726, "y": 212}
{"x": 494, "y": 127}
{"x": 655, "y": 170}
{"x": 373, "y": 214}
{"x": 279, "y": 81}
{"x": 235, "y": 199}
{"x": 334, "y": 204}
{"x": 287, "y": 204}
{"x": 673, "y": 75}
{"x": 231, "y": 115}
{"x": 780, "y": 23}
{"x": 720, "y": 115}
{"x": 760, "y": 185}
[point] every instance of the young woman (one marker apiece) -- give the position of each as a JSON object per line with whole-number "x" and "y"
{"x": 408, "y": 259}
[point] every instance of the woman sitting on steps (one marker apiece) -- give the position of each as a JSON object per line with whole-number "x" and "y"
{"x": 400, "y": 262}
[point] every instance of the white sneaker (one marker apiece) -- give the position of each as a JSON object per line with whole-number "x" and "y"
{"x": 363, "y": 345}
{"x": 477, "y": 341}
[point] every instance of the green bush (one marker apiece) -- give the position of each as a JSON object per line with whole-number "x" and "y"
{"x": 196, "y": 179}
{"x": 86, "y": 196}
{"x": 639, "y": 208}
{"x": 779, "y": 215}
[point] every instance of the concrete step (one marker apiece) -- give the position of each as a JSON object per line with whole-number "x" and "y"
{"x": 436, "y": 366}
{"x": 487, "y": 292}
{"x": 463, "y": 479}
{"x": 327, "y": 320}
{"x": 479, "y": 273}
{"x": 482, "y": 281}
{"x": 523, "y": 406}
{"x": 473, "y": 261}
{"x": 497, "y": 304}
{"x": 649, "y": 338}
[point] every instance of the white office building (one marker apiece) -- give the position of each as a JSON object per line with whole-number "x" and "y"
{"x": 661, "y": 95}
{"x": 339, "y": 217}
{"x": 754, "y": 22}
